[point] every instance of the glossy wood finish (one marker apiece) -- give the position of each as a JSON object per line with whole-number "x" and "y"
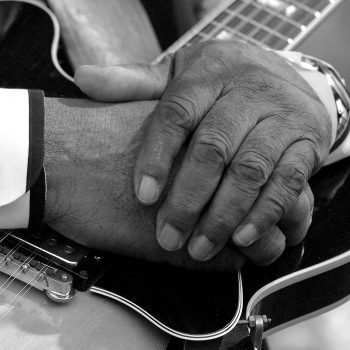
{"x": 88, "y": 322}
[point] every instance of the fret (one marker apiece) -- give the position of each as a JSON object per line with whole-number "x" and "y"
{"x": 231, "y": 20}
{"x": 287, "y": 30}
{"x": 236, "y": 5}
{"x": 248, "y": 10}
{"x": 278, "y": 24}
{"x": 256, "y": 18}
{"x": 314, "y": 7}
{"x": 317, "y": 5}
{"x": 198, "y": 38}
{"x": 298, "y": 18}
{"x": 261, "y": 16}
{"x": 248, "y": 28}
{"x": 234, "y": 23}
{"x": 229, "y": 34}
{"x": 241, "y": 25}
{"x": 209, "y": 29}
{"x": 258, "y": 26}
{"x": 222, "y": 17}
{"x": 260, "y": 35}
{"x": 275, "y": 42}
{"x": 301, "y": 5}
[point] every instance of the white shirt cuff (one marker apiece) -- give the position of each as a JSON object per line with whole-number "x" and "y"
{"x": 21, "y": 157}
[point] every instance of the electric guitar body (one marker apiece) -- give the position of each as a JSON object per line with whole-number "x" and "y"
{"x": 306, "y": 280}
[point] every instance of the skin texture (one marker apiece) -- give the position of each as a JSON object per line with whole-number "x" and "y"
{"x": 89, "y": 158}
{"x": 254, "y": 132}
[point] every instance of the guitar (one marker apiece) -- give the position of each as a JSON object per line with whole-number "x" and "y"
{"x": 322, "y": 261}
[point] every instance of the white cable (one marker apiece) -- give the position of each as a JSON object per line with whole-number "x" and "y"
{"x": 56, "y": 35}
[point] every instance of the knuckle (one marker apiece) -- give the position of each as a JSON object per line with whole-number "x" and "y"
{"x": 268, "y": 248}
{"x": 318, "y": 144}
{"x": 276, "y": 205}
{"x": 213, "y": 147}
{"x": 182, "y": 211}
{"x": 288, "y": 184}
{"x": 219, "y": 226}
{"x": 315, "y": 136}
{"x": 322, "y": 126}
{"x": 179, "y": 113}
{"x": 214, "y": 49}
{"x": 251, "y": 169}
{"x": 291, "y": 178}
{"x": 270, "y": 256}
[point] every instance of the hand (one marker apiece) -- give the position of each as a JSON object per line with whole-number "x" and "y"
{"x": 256, "y": 133}
{"x": 89, "y": 158}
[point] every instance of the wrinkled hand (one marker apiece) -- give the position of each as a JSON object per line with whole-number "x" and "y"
{"x": 90, "y": 150}
{"x": 256, "y": 132}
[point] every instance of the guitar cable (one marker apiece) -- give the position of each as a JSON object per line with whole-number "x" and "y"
{"x": 56, "y": 35}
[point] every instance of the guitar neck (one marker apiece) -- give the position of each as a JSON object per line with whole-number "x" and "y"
{"x": 277, "y": 24}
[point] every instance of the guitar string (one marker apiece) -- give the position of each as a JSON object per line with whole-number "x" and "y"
{"x": 303, "y": 6}
{"x": 239, "y": 12}
{"x": 13, "y": 277}
{"x": 9, "y": 254}
{"x": 6, "y": 235}
{"x": 278, "y": 14}
{"x": 54, "y": 50}
{"x": 267, "y": 9}
{"x": 11, "y": 251}
{"x": 20, "y": 297}
{"x": 56, "y": 35}
{"x": 15, "y": 274}
{"x": 285, "y": 24}
{"x": 272, "y": 14}
{"x": 244, "y": 19}
{"x": 27, "y": 287}
{"x": 18, "y": 271}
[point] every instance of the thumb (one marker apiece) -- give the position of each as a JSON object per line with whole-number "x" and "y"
{"x": 125, "y": 82}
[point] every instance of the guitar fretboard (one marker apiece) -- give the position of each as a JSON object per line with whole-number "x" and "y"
{"x": 277, "y": 24}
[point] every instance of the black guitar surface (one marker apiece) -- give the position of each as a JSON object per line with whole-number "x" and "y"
{"x": 187, "y": 301}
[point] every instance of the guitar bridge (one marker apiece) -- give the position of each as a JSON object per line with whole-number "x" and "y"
{"x": 49, "y": 262}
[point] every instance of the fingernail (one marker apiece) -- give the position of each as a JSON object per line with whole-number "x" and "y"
{"x": 148, "y": 190}
{"x": 169, "y": 237}
{"x": 245, "y": 235}
{"x": 201, "y": 248}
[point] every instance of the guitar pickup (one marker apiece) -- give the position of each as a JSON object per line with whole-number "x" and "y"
{"x": 50, "y": 262}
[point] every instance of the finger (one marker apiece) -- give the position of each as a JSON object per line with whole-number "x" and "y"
{"x": 183, "y": 105}
{"x": 280, "y": 192}
{"x": 243, "y": 179}
{"x": 296, "y": 221}
{"x": 229, "y": 259}
{"x": 212, "y": 147}
{"x": 267, "y": 248}
{"x": 125, "y": 82}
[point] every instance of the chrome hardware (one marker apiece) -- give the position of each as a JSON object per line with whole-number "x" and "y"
{"x": 56, "y": 283}
{"x": 338, "y": 88}
{"x": 60, "y": 298}
{"x": 50, "y": 262}
{"x": 256, "y": 324}
{"x": 53, "y": 246}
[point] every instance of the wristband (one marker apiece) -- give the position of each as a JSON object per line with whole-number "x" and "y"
{"x": 337, "y": 87}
